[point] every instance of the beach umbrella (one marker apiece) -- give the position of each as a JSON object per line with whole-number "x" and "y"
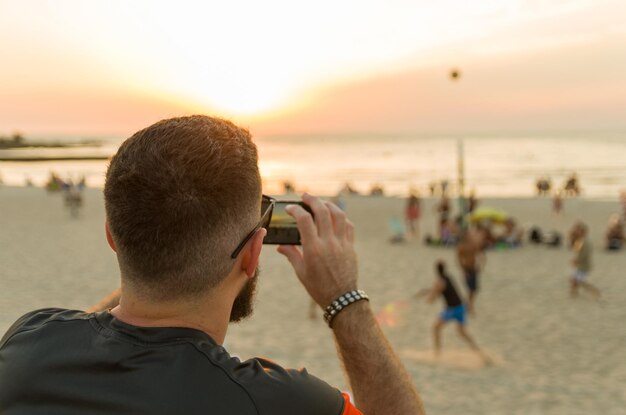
{"x": 493, "y": 215}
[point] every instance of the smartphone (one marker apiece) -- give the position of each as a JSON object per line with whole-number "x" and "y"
{"x": 283, "y": 229}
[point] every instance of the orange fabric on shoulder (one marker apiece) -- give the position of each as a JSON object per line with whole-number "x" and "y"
{"x": 348, "y": 408}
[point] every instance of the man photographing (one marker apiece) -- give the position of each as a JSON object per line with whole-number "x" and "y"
{"x": 186, "y": 218}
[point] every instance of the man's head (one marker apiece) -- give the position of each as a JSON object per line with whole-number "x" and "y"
{"x": 179, "y": 196}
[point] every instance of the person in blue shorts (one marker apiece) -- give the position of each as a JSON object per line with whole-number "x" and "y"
{"x": 455, "y": 310}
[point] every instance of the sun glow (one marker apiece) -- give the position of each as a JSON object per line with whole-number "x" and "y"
{"x": 70, "y": 63}
{"x": 254, "y": 97}
{"x": 239, "y": 57}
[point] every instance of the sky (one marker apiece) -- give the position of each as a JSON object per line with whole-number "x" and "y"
{"x": 111, "y": 67}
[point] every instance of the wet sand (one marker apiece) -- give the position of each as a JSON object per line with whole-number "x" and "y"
{"x": 552, "y": 354}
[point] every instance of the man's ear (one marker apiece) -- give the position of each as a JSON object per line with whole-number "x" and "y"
{"x": 110, "y": 240}
{"x": 251, "y": 254}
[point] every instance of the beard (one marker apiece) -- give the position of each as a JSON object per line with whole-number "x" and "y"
{"x": 244, "y": 302}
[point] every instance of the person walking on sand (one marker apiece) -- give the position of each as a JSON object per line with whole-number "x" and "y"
{"x": 472, "y": 202}
{"x": 454, "y": 310}
{"x": 557, "y": 203}
{"x": 412, "y": 215}
{"x": 443, "y": 209}
{"x": 73, "y": 199}
{"x": 615, "y": 235}
{"x": 471, "y": 259}
{"x": 581, "y": 261}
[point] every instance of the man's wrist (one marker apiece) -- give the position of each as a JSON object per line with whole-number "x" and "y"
{"x": 339, "y": 304}
{"x": 356, "y": 315}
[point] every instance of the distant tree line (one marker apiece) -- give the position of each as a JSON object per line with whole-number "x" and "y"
{"x": 15, "y": 140}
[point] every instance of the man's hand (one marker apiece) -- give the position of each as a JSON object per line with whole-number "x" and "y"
{"x": 327, "y": 267}
{"x": 327, "y": 263}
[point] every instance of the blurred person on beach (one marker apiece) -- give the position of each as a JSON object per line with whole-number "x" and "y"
{"x": 455, "y": 310}
{"x": 513, "y": 234}
{"x": 451, "y": 231}
{"x": 484, "y": 234}
{"x": 443, "y": 209}
{"x": 543, "y": 186}
{"x": 472, "y": 202}
{"x": 288, "y": 187}
{"x": 471, "y": 258}
{"x": 449, "y": 234}
{"x": 581, "y": 261}
{"x": 412, "y": 214}
{"x": 615, "y": 233}
{"x": 432, "y": 188}
{"x": 73, "y": 198}
{"x": 444, "y": 187}
{"x": 551, "y": 238}
{"x": 377, "y": 189}
{"x": 186, "y": 219}
{"x": 572, "y": 235}
{"x": 82, "y": 183}
{"x": 557, "y": 203}
{"x": 348, "y": 189}
{"x": 572, "y": 186}
{"x": 54, "y": 183}
{"x": 397, "y": 230}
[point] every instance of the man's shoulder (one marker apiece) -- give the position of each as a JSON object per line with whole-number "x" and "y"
{"x": 37, "y": 318}
{"x": 275, "y": 389}
{"x": 272, "y": 388}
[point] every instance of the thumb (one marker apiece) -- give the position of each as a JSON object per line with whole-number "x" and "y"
{"x": 294, "y": 256}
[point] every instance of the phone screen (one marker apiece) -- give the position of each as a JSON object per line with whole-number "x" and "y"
{"x": 283, "y": 229}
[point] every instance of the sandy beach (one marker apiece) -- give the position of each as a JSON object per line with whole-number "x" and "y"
{"x": 553, "y": 354}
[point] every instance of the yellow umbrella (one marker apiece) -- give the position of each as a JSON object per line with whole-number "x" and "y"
{"x": 493, "y": 215}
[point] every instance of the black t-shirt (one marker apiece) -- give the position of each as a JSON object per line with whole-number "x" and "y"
{"x": 449, "y": 293}
{"x": 56, "y": 361}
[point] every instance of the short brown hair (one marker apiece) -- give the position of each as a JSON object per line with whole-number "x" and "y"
{"x": 179, "y": 196}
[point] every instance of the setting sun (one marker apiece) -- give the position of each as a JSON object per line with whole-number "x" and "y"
{"x": 240, "y": 95}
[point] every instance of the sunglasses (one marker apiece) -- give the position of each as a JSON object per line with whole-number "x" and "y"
{"x": 267, "y": 207}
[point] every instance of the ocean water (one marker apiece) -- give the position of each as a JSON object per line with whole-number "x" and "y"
{"x": 495, "y": 164}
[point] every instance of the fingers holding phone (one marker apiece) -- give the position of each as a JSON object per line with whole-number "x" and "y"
{"x": 321, "y": 213}
{"x": 327, "y": 263}
{"x": 339, "y": 220}
{"x": 283, "y": 228}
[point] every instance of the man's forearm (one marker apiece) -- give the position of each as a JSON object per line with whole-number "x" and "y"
{"x": 327, "y": 265}
{"x": 378, "y": 379}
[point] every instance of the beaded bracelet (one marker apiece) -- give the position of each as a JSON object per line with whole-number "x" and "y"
{"x": 342, "y": 302}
